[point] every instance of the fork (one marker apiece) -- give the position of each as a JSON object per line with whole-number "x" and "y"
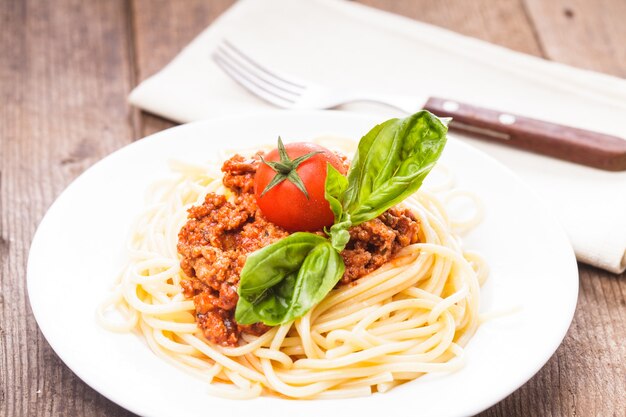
{"x": 287, "y": 91}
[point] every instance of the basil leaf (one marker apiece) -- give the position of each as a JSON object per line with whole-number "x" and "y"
{"x": 285, "y": 279}
{"x": 334, "y": 189}
{"x": 321, "y": 270}
{"x": 339, "y": 235}
{"x": 268, "y": 266}
{"x": 391, "y": 163}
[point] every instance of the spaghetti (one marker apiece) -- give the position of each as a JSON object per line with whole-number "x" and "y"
{"x": 411, "y": 316}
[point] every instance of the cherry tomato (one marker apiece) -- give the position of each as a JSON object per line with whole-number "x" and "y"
{"x": 285, "y": 204}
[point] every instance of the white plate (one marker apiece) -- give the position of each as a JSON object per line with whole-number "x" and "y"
{"x": 77, "y": 252}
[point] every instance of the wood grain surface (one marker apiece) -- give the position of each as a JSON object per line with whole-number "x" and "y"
{"x": 66, "y": 69}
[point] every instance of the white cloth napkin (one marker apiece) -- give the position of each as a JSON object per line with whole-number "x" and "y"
{"x": 343, "y": 44}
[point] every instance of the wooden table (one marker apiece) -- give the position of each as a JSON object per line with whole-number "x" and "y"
{"x": 66, "y": 68}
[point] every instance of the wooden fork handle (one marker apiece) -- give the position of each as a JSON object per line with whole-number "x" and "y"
{"x": 571, "y": 144}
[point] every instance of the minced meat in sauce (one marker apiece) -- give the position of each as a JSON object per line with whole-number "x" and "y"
{"x": 220, "y": 233}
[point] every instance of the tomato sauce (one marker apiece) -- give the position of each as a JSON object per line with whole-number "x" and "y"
{"x": 220, "y": 233}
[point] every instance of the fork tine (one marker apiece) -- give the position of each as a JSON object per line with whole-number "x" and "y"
{"x": 249, "y": 83}
{"x": 278, "y": 78}
{"x": 259, "y": 76}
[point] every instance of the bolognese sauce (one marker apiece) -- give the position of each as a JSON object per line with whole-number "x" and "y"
{"x": 220, "y": 233}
